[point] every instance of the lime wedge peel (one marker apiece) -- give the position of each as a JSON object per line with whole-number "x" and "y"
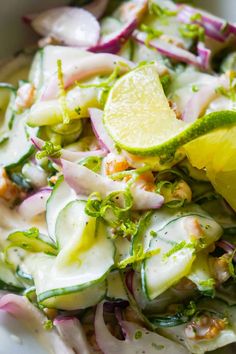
{"x": 138, "y": 117}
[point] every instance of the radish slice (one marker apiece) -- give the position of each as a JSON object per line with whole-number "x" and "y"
{"x": 33, "y": 320}
{"x": 85, "y": 182}
{"x": 97, "y": 7}
{"x": 35, "y": 204}
{"x": 214, "y": 26}
{"x": 73, "y": 156}
{"x": 200, "y": 100}
{"x": 145, "y": 342}
{"x": 98, "y": 64}
{"x": 73, "y": 334}
{"x": 69, "y": 25}
{"x": 113, "y": 42}
{"x": 106, "y": 142}
{"x": 169, "y": 50}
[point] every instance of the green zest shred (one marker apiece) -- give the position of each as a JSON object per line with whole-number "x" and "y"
{"x": 159, "y": 11}
{"x": 62, "y": 93}
{"x": 49, "y": 150}
{"x": 192, "y": 31}
{"x": 176, "y": 248}
{"x": 138, "y": 256}
{"x": 152, "y": 33}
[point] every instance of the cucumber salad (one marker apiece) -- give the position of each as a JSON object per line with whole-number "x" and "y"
{"x": 117, "y": 181}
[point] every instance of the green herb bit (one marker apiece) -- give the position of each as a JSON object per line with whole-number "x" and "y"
{"x": 190, "y": 310}
{"x": 196, "y": 17}
{"x": 152, "y": 33}
{"x": 106, "y": 83}
{"x": 62, "y": 93}
{"x": 176, "y": 248}
{"x": 195, "y": 88}
{"x": 138, "y": 334}
{"x": 92, "y": 162}
{"x": 159, "y": 11}
{"x": 137, "y": 257}
{"x": 48, "y": 325}
{"x": 49, "y": 150}
{"x": 192, "y": 31}
{"x": 231, "y": 91}
{"x": 208, "y": 284}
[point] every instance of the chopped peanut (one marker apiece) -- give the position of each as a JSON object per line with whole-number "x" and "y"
{"x": 205, "y": 327}
{"x": 53, "y": 179}
{"x": 9, "y": 190}
{"x": 25, "y": 96}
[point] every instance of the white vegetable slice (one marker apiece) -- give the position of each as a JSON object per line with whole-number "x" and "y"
{"x": 85, "y": 181}
{"x": 69, "y": 25}
{"x": 33, "y": 320}
{"x": 138, "y": 340}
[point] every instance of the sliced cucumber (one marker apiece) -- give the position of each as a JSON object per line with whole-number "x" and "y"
{"x": 115, "y": 287}
{"x": 75, "y": 278}
{"x": 61, "y": 195}
{"x": 45, "y": 62}
{"x": 8, "y": 280}
{"x": 201, "y": 275}
{"x": 178, "y": 234}
{"x": 18, "y": 147}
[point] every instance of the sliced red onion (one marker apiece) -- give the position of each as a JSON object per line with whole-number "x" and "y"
{"x": 200, "y": 100}
{"x": 70, "y": 25}
{"x": 138, "y": 340}
{"x": 97, "y": 64}
{"x": 214, "y": 26}
{"x": 33, "y": 319}
{"x": 204, "y": 54}
{"x": 73, "y": 156}
{"x": 170, "y": 50}
{"x": 97, "y": 7}
{"x": 73, "y": 334}
{"x": 35, "y": 204}
{"x": 105, "y": 141}
{"x": 114, "y": 42}
{"x": 85, "y": 181}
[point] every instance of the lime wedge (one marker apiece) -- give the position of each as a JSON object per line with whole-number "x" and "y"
{"x": 216, "y": 152}
{"x": 138, "y": 117}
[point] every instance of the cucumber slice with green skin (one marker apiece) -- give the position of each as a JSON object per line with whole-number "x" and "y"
{"x": 18, "y": 147}
{"x": 44, "y": 65}
{"x": 179, "y": 234}
{"x": 8, "y": 280}
{"x": 75, "y": 277}
{"x": 5, "y": 92}
{"x": 215, "y": 308}
{"x": 115, "y": 287}
{"x": 201, "y": 275}
{"x": 61, "y": 195}
{"x": 32, "y": 242}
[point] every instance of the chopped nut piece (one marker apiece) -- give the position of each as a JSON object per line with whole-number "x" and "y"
{"x": 205, "y": 327}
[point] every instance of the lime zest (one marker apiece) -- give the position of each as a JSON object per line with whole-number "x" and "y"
{"x": 138, "y": 256}
{"x": 49, "y": 150}
{"x": 192, "y": 31}
{"x": 62, "y": 93}
{"x": 176, "y": 248}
